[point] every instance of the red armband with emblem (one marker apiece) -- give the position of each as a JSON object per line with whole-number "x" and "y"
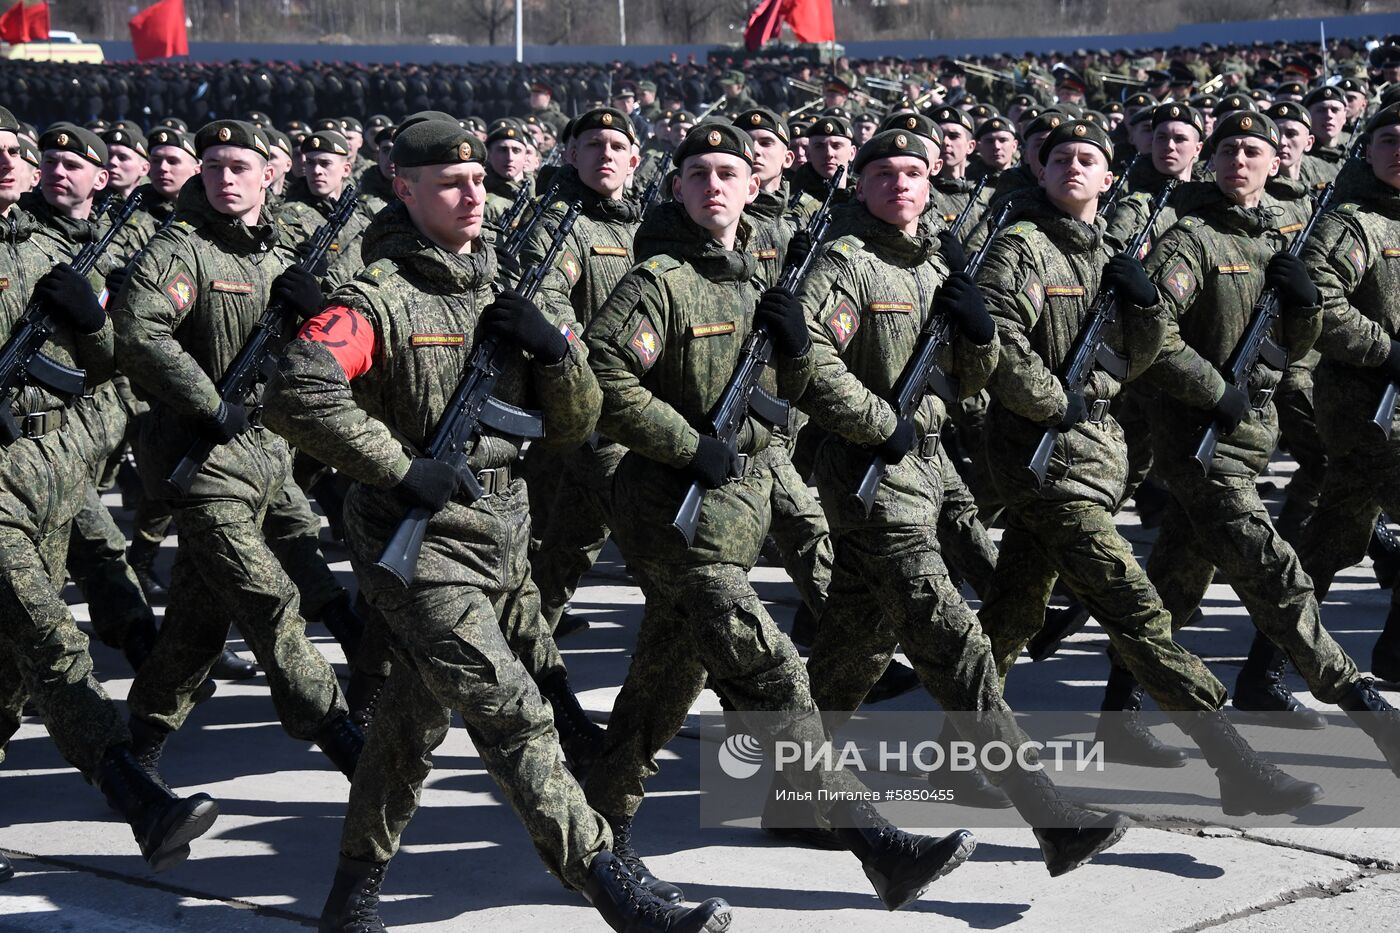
{"x": 346, "y": 334}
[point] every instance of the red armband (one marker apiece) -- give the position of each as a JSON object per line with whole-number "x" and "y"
{"x": 345, "y": 333}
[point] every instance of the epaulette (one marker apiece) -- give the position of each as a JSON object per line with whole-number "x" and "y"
{"x": 844, "y": 247}
{"x": 1019, "y": 228}
{"x": 1347, "y": 207}
{"x": 377, "y": 272}
{"x": 1190, "y": 221}
{"x": 657, "y": 266}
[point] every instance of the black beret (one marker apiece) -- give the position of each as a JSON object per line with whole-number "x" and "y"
{"x": 1292, "y": 87}
{"x": 1290, "y": 110}
{"x": 984, "y": 112}
{"x": 384, "y": 134}
{"x": 997, "y": 124}
{"x": 1076, "y": 131}
{"x": 231, "y": 133}
{"x": 1232, "y": 103}
{"x": 1386, "y": 116}
{"x": 1112, "y": 107}
{"x": 436, "y": 142}
{"x": 169, "y": 136}
{"x": 1178, "y": 113}
{"x": 327, "y": 123}
{"x": 761, "y": 118}
{"x": 830, "y": 126}
{"x": 258, "y": 118}
{"x": 1245, "y": 123}
{"x": 508, "y": 129}
{"x": 1024, "y": 100}
{"x": 604, "y": 118}
{"x": 351, "y": 125}
{"x": 8, "y": 123}
{"x": 325, "y": 141}
{"x": 422, "y": 116}
{"x": 714, "y": 137}
{"x": 75, "y": 139}
{"x": 377, "y": 122}
{"x": 1047, "y": 120}
{"x": 909, "y": 122}
{"x": 1325, "y": 93}
{"x": 121, "y": 136}
{"x": 278, "y": 139}
{"x": 175, "y": 123}
{"x": 476, "y": 124}
{"x": 942, "y": 115}
{"x": 889, "y": 144}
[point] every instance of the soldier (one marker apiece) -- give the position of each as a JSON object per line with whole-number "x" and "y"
{"x": 127, "y": 159}
{"x": 1296, "y": 138}
{"x": 998, "y": 146}
{"x": 1208, "y": 271}
{"x": 507, "y": 151}
{"x": 736, "y": 99}
{"x": 183, "y": 315}
{"x": 663, "y": 347}
{"x": 281, "y": 147}
{"x": 828, "y": 145}
{"x": 1327, "y": 106}
{"x": 377, "y": 187}
{"x": 352, "y": 392}
{"x": 43, "y": 474}
{"x": 327, "y": 169}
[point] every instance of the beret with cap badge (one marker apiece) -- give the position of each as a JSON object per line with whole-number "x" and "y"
{"x": 1178, "y": 113}
{"x": 75, "y": 139}
{"x": 604, "y": 118}
{"x": 997, "y": 124}
{"x": 915, "y": 123}
{"x": 1244, "y": 123}
{"x": 231, "y": 133}
{"x": 761, "y": 118}
{"x": 709, "y": 137}
{"x": 436, "y": 142}
{"x": 169, "y": 136}
{"x": 1076, "y": 131}
{"x": 830, "y": 126}
{"x": 889, "y": 144}
{"x": 1327, "y": 92}
{"x": 942, "y": 115}
{"x": 327, "y": 141}
{"x": 123, "y": 136}
{"x": 1290, "y": 110}
{"x": 1386, "y": 116}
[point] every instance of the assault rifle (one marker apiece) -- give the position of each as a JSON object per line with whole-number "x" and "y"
{"x": 742, "y": 393}
{"x": 922, "y": 373}
{"x": 1090, "y": 351}
{"x": 256, "y": 359}
{"x": 516, "y": 239}
{"x": 20, "y": 358}
{"x": 968, "y": 208}
{"x": 471, "y": 408}
{"x": 1256, "y": 342}
{"x": 1112, "y": 195}
{"x": 517, "y": 207}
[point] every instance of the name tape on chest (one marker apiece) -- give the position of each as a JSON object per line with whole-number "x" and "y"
{"x": 610, "y": 251}
{"x": 1064, "y": 291}
{"x": 890, "y": 307}
{"x": 437, "y": 340}
{"x": 764, "y": 254}
{"x": 232, "y": 288}
{"x": 1390, "y": 252}
{"x": 1233, "y": 268}
{"x": 713, "y": 330}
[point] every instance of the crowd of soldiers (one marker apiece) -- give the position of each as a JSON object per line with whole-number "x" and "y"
{"x": 517, "y": 331}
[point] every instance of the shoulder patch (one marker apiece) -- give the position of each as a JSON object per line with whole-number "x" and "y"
{"x": 1180, "y": 280}
{"x": 569, "y": 265}
{"x": 1357, "y": 257}
{"x": 1034, "y": 291}
{"x": 843, "y": 324}
{"x": 645, "y": 343}
{"x": 181, "y": 291}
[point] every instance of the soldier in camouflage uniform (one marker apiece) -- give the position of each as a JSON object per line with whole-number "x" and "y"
{"x": 43, "y": 472}
{"x": 507, "y": 147}
{"x": 362, "y": 390}
{"x": 828, "y": 145}
{"x": 183, "y": 315}
{"x": 663, "y": 347}
{"x": 327, "y": 169}
{"x": 1327, "y": 107}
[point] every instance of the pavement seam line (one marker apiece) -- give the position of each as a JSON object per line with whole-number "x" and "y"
{"x": 1306, "y": 892}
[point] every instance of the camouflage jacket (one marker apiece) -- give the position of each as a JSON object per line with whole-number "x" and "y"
{"x": 1209, "y": 272}
{"x": 808, "y": 191}
{"x": 869, "y": 296}
{"x": 948, "y": 197}
{"x": 1354, "y": 258}
{"x": 376, "y": 191}
{"x": 1040, "y": 280}
{"x": 299, "y": 220}
{"x": 154, "y": 212}
{"x": 500, "y": 195}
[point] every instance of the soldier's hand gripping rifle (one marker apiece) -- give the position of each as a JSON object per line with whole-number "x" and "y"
{"x": 1256, "y": 342}
{"x": 1090, "y": 351}
{"x": 742, "y": 393}
{"x": 922, "y": 373}
{"x": 256, "y": 359}
{"x": 20, "y": 358}
{"x": 471, "y": 408}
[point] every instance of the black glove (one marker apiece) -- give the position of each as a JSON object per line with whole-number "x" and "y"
{"x": 229, "y": 421}
{"x": 893, "y": 448}
{"x": 1392, "y": 362}
{"x": 68, "y": 297}
{"x": 962, "y": 299}
{"x": 953, "y": 253}
{"x": 298, "y": 291}
{"x": 713, "y": 464}
{"x": 780, "y": 313}
{"x": 1076, "y": 410}
{"x": 798, "y": 247}
{"x": 1231, "y": 409}
{"x": 428, "y": 484}
{"x": 1129, "y": 281}
{"x": 508, "y": 265}
{"x": 514, "y": 317}
{"x": 1289, "y": 275}
{"x": 116, "y": 281}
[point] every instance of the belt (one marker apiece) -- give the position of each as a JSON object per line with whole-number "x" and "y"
{"x": 928, "y": 447}
{"x": 744, "y": 461}
{"x": 44, "y": 422}
{"x": 493, "y": 481}
{"x": 1098, "y": 411}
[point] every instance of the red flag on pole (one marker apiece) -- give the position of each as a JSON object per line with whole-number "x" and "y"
{"x": 811, "y": 20}
{"x": 14, "y": 26}
{"x": 765, "y": 24}
{"x": 36, "y": 21}
{"x": 158, "y": 31}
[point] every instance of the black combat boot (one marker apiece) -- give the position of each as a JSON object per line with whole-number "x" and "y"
{"x": 141, "y": 557}
{"x": 230, "y": 666}
{"x": 897, "y": 680}
{"x": 147, "y": 743}
{"x": 628, "y": 907}
{"x": 900, "y": 865}
{"x": 1385, "y": 656}
{"x": 623, "y": 849}
{"x": 140, "y": 639}
{"x": 345, "y": 627}
{"x": 1376, "y": 717}
{"x": 970, "y": 787}
{"x": 1059, "y": 624}
{"x": 793, "y": 820}
{"x": 362, "y": 696}
{"x": 1125, "y": 739}
{"x": 1384, "y": 551}
{"x": 353, "y": 904}
{"x": 7, "y": 871}
{"x": 1248, "y": 783}
{"x": 804, "y": 627}
{"x": 342, "y": 741}
{"x": 581, "y": 738}
{"x": 163, "y": 823}
{"x": 1260, "y": 688}
{"x": 570, "y": 624}
{"x": 1069, "y": 835}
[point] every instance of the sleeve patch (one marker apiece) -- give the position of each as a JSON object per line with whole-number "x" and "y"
{"x": 1035, "y": 291}
{"x": 843, "y": 324}
{"x": 346, "y": 334}
{"x": 645, "y": 343}
{"x": 568, "y": 264}
{"x": 1180, "y": 280}
{"x": 570, "y": 337}
{"x": 181, "y": 291}
{"x": 1357, "y": 257}
{"x": 713, "y": 330}
{"x": 4, "y": 282}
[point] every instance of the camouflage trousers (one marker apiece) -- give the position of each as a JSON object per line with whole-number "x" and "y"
{"x": 1217, "y": 522}
{"x": 1129, "y": 409}
{"x": 97, "y": 564}
{"x": 798, "y": 526}
{"x": 224, "y": 574}
{"x": 1356, "y": 488}
{"x": 293, "y": 532}
{"x": 1297, "y": 425}
{"x": 1076, "y": 540}
{"x": 962, "y": 538}
{"x": 451, "y": 652}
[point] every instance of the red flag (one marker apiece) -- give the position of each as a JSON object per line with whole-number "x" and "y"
{"x": 811, "y": 20}
{"x": 14, "y": 25}
{"x": 765, "y": 24}
{"x": 36, "y": 21}
{"x": 158, "y": 31}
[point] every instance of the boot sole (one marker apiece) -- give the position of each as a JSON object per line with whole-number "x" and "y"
{"x": 823, "y": 839}
{"x": 7, "y": 873}
{"x": 185, "y": 823}
{"x": 903, "y": 896}
{"x": 1279, "y": 718}
{"x": 1310, "y": 794}
{"x": 1115, "y": 832}
{"x": 718, "y": 921}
